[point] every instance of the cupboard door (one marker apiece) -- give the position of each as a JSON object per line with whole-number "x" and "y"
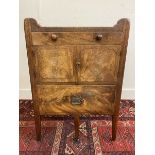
{"x": 99, "y": 63}
{"x": 54, "y": 64}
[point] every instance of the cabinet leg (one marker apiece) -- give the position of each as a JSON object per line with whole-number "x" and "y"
{"x": 38, "y": 127}
{"x": 114, "y": 126}
{"x": 76, "y": 124}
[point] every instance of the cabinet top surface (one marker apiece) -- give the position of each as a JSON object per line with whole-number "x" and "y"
{"x": 35, "y": 27}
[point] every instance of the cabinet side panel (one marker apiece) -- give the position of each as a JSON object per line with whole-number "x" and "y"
{"x": 126, "y": 26}
{"x": 28, "y": 38}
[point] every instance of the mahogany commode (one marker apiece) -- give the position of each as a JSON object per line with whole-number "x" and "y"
{"x": 76, "y": 70}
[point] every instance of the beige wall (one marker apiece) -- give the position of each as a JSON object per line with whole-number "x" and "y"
{"x": 77, "y": 13}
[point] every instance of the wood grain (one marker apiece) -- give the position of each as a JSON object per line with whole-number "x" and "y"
{"x": 70, "y": 63}
{"x": 56, "y": 99}
{"x": 74, "y": 38}
{"x": 31, "y": 64}
{"x": 99, "y": 63}
{"x": 125, "y": 27}
{"x": 54, "y": 64}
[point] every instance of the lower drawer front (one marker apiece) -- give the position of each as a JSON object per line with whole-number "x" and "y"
{"x": 71, "y": 99}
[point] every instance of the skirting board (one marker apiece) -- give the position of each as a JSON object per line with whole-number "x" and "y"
{"x": 126, "y": 94}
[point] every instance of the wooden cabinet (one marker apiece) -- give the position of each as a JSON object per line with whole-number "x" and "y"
{"x": 76, "y": 70}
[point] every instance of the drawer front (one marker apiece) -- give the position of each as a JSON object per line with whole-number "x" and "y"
{"x": 70, "y": 99}
{"x": 74, "y": 38}
{"x": 54, "y": 64}
{"x": 99, "y": 63}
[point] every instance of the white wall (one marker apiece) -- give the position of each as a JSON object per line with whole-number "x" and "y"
{"x": 77, "y": 13}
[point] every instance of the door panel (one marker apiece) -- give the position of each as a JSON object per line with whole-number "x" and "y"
{"x": 99, "y": 63}
{"x": 54, "y": 64}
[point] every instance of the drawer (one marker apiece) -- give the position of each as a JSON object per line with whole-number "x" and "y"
{"x": 70, "y": 99}
{"x": 74, "y": 38}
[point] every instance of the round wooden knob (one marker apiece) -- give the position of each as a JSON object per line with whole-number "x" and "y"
{"x": 54, "y": 37}
{"x": 99, "y": 37}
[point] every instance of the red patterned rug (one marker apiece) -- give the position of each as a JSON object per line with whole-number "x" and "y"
{"x": 95, "y": 133}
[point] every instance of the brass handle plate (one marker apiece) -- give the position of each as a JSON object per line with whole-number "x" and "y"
{"x": 76, "y": 100}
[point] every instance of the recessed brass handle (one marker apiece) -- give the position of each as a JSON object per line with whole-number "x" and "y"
{"x": 76, "y": 100}
{"x": 54, "y": 37}
{"x": 99, "y": 37}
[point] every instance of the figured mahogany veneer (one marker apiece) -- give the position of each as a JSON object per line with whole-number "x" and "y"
{"x": 93, "y": 96}
{"x": 76, "y": 70}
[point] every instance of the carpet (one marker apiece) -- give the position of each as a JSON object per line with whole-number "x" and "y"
{"x": 95, "y": 133}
